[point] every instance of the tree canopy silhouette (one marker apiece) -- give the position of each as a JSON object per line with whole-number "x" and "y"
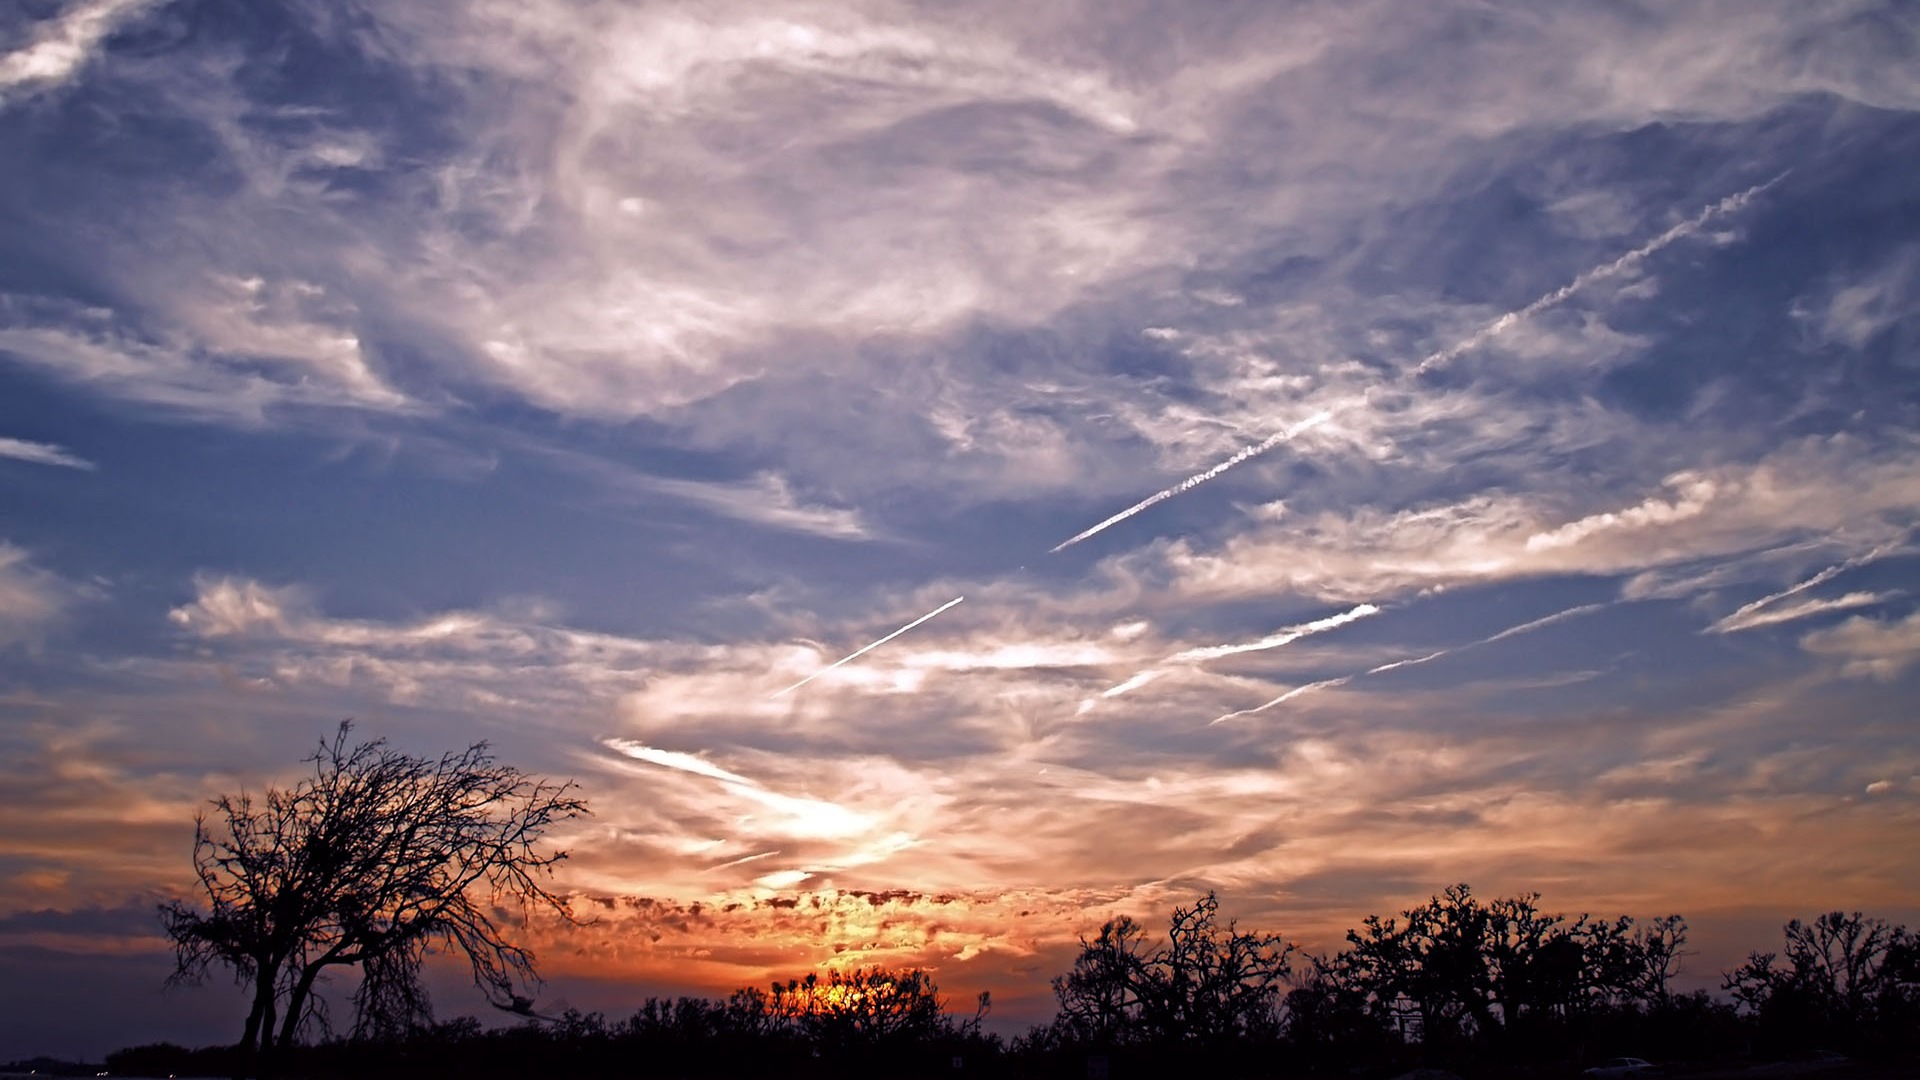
{"x": 1847, "y": 980}
{"x": 1208, "y": 984}
{"x": 1457, "y": 970}
{"x": 375, "y": 860}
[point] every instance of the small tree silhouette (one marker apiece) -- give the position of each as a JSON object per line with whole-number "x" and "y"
{"x": 374, "y": 860}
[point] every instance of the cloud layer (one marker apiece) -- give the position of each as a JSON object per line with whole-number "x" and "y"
{"x": 1483, "y": 439}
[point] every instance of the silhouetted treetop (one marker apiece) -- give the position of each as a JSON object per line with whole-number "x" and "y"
{"x": 1208, "y": 983}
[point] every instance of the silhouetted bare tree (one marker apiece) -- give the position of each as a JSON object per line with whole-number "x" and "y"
{"x": 866, "y": 1007}
{"x": 1100, "y": 999}
{"x": 374, "y": 860}
{"x": 1457, "y": 971}
{"x": 1209, "y": 983}
{"x": 1661, "y": 947}
{"x": 1844, "y": 976}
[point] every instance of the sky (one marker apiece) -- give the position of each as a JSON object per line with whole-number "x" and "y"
{"x": 1324, "y": 451}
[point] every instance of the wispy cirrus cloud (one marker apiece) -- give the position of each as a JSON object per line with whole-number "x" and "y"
{"x": 768, "y": 500}
{"x": 240, "y": 366}
{"x": 1800, "y": 609}
{"x": 1724, "y": 511}
{"x": 1762, "y": 612}
{"x": 841, "y": 836}
{"x": 1881, "y": 648}
{"x": 61, "y": 46}
{"x": 30, "y": 598}
{"x": 40, "y": 453}
{"x": 776, "y": 329}
{"x": 1624, "y": 264}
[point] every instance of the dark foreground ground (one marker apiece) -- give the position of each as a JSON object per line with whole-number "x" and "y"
{"x": 1781, "y": 1070}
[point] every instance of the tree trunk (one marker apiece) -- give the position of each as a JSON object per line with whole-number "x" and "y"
{"x": 259, "y": 1029}
{"x": 295, "y": 1005}
{"x": 244, "y": 1050}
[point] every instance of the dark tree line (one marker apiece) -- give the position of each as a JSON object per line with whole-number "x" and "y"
{"x": 1461, "y": 978}
{"x": 379, "y": 858}
{"x": 1460, "y": 981}
{"x": 875, "y": 1021}
{"x": 1449, "y": 981}
{"x": 1455, "y": 982}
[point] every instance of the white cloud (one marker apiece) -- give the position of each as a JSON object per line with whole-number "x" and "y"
{"x": 230, "y": 607}
{"x": 62, "y": 46}
{"x": 1853, "y": 310}
{"x": 642, "y": 212}
{"x": 1879, "y": 648}
{"x": 806, "y": 172}
{"x": 1695, "y": 493}
{"x": 241, "y": 366}
{"x": 1725, "y": 511}
{"x": 1795, "y": 611}
{"x": 673, "y": 759}
{"x": 766, "y": 499}
{"x": 30, "y": 598}
{"x": 1622, "y": 265}
{"x": 42, "y": 454}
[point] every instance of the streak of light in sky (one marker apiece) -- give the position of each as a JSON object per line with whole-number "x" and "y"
{"x": 1625, "y": 262}
{"x": 1739, "y": 620}
{"x": 1617, "y": 266}
{"x": 1323, "y": 684}
{"x": 1197, "y": 479}
{"x": 869, "y": 648}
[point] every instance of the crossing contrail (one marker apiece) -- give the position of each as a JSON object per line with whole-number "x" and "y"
{"x": 1625, "y": 262}
{"x": 862, "y": 652}
{"x": 1197, "y": 479}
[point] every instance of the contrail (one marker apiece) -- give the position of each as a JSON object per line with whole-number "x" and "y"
{"x": 1738, "y": 620}
{"x": 744, "y": 859}
{"x": 1801, "y": 610}
{"x": 1327, "y": 684}
{"x": 1274, "y": 640}
{"x": 1437, "y": 654}
{"x": 862, "y": 652}
{"x": 1307, "y": 688}
{"x": 1136, "y": 682}
{"x": 1280, "y": 637}
{"x": 1197, "y": 479}
{"x": 1544, "y": 620}
{"x": 1686, "y": 228}
{"x": 1500, "y": 325}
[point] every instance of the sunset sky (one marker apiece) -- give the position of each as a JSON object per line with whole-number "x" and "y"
{"x": 1379, "y": 445}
